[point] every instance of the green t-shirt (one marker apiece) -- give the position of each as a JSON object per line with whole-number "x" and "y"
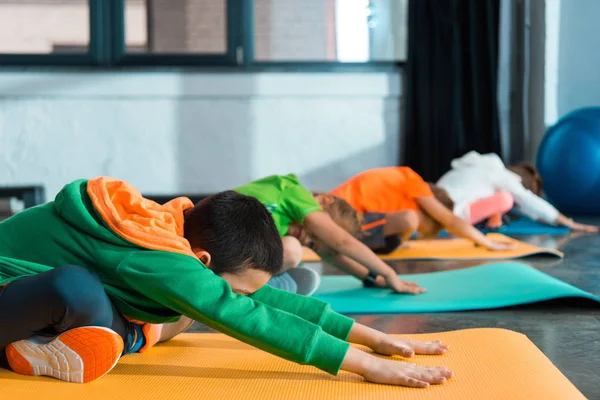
{"x": 285, "y": 198}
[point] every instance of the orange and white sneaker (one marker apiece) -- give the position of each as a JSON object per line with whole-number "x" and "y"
{"x": 79, "y": 355}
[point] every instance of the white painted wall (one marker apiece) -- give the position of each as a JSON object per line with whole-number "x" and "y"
{"x": 572, "y": 56}
{"x": 195, "y": 132}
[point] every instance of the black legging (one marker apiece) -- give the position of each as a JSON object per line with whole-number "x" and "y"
{"x": 55, "y": 301}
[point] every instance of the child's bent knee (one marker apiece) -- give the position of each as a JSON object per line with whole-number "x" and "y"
{"x": 70, "y": 279}
{"x": 82, "y": 294}
{"x": 412, "y": 219}
{"x": 401, "y": 223}
{"x": 409, "y": 220}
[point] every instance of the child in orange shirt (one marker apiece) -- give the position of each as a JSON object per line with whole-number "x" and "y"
{"x": 396, "y": 202}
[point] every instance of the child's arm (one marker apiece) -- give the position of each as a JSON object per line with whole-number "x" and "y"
{"x": 390, "y": 345}
{"x": 379, "y": 371}
{"x": 358, "y": 270}
{"x": 342, "y": 327}
{"x": 539, "y": 209}
{"x": 372, "y": 368}
{"x": 308, "y": 308}
{"x": 457, "y": 225}
{"x": 390, "y": 372}
{"x": 190, "y": 289}
{"x": 568, "y": 222}
{"x": 320, "y": 313}
{"x": 320, "y": 224}
{"x": 346, "y": 264}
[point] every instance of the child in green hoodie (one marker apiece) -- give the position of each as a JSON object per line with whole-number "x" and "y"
{"x": 84, "y": 279}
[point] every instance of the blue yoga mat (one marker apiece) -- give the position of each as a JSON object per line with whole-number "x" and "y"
{"x": 485, "y": 287}
{"x": 524, "y": 226}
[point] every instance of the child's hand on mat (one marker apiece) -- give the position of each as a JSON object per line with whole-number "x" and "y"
{"x": 577, "y": 227}
{"x": 380, "y": 282}
{"x": 403, "y": 286}
{"x": 390, "y": 372}
{"x": 496, "y": 245}
{"x": 391, "y": 345}
{"x": 400, "y": 286}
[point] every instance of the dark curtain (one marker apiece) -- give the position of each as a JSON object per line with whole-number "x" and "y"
{"x": 451, "y": 80}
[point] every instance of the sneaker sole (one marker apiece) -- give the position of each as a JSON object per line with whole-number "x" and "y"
{"x": 79, "y": 355}
{"x": 307, "y": 280}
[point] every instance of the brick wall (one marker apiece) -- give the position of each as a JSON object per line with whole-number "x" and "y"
{"x": 189, "y": 26}
{"x": 287, "y": 30}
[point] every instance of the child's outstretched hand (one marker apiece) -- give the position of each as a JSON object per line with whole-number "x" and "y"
{"x": 391, "y": 345}
{"x": 378, "y": 370}
{"x": 496, "y": 245}
{"x": 400, "y": 286}
{"x": 391, "y": 372}
{"x": 577, "y": 227}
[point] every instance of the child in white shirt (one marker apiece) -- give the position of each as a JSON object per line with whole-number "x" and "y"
{"x": 482, "y": 188}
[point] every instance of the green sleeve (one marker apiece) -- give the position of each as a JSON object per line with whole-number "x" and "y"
{"x": 185, "y": 286}
{"x": 299, "y": 202}
{"x": 316, "y": 311}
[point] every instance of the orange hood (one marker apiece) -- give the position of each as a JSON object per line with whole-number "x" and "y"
{"x": 139, "y": 220}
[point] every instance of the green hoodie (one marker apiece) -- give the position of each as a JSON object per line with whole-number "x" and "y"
{"x": 159, "y": 286}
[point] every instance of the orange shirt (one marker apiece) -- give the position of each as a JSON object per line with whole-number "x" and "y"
{"x": 385, "y": 190}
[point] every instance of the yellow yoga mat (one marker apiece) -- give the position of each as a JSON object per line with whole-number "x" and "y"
{"x": 488, "y": 364}
{"x": 455, "y": 249}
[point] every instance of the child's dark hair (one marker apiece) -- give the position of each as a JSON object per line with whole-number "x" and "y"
{"x": 237, "y": 231}
{"x": 530, "y": 178}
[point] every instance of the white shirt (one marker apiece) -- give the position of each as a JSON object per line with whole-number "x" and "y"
{"x": 476, "y": 176}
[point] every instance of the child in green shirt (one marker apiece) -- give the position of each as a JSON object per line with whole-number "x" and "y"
{"x": 325, "y": 223}
{"x": 83, "y": 278}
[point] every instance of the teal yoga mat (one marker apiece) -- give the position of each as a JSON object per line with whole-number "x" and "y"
{"x": 525, "y": 226}
{"x": 484, "y": 287}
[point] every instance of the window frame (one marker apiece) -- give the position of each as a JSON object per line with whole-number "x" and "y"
{"x": 107, "y": 48}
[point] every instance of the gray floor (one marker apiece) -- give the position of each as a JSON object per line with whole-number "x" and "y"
{"x": 569, "y": 334}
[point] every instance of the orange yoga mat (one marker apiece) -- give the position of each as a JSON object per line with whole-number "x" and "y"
{"x": 488, "y": 364}
{"x": 455, "y": 249}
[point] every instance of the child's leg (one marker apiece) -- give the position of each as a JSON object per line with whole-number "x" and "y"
{"x": 292, "y": 256}
{"x": 383, "y": 233}
{"x": 303, "y": 281}
{"x": 61, "y": 301}
{"x": 495, "y": 221}
{"x": 169, "y": 331}
{"x": 402, "y": 223}
{"x": 498, "y": 204}
{"x": 292, "y": 252}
